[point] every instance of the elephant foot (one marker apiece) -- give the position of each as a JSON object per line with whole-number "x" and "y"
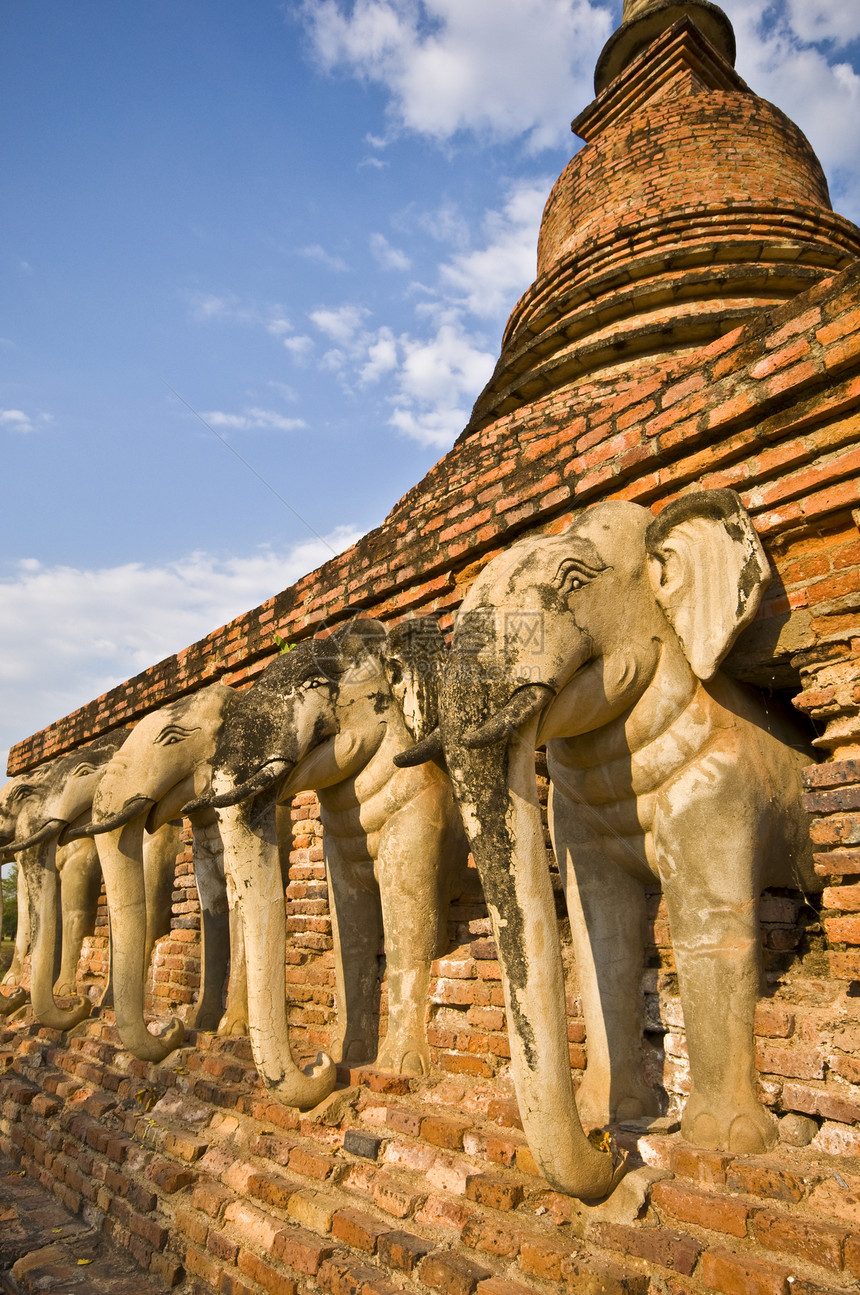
{"x": 12, "y": 976}
{"x": 351, "y": 1052}
{"x": 233, "y": 1025}
{"x": 408, "y": 1056}
{"x": 746, "y": 1129}
{"x": 597, "y": 1109}
{"x": 65, "y": 989}
{"x": 10, "y": 1003}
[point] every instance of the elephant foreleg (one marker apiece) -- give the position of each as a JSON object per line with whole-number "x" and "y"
{"x": 22, "y": 932}
{"x": 159, "y": 868}
{"x": 235, "y": 1018}
{"x": 357, "y": 931}
{"x": 215, "y": 925}
{"x": 607, "y": 920}
{"x": 713, "y": 916}
{"x": 411, "y": 884}
{"x": 80, "y": 884}
{"x": 43, "y": 885}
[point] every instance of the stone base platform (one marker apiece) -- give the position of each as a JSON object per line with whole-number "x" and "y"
{"x": 207, "y": 1185}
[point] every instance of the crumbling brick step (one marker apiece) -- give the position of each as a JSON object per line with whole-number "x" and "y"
{"x": 44, "y": 1247}
{"x": 395, "y": 1185}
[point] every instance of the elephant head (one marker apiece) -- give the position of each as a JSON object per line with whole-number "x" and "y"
{"x": 161, "y": 763}
{"x": 330, "y": 715}
{"x": 41, "y": 810}
{"x": 603, "y": 642}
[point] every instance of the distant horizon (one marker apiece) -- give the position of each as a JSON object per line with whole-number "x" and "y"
{"x": 299, "y": 229}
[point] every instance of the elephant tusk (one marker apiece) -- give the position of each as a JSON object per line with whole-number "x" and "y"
{"x": 526, "y": 702}
{"x": 429, "y": 748}
{"x": 131, "y": 809}
{"x": 264, "y": 778}
{"x": 78, "y": 833}
{"x": 53, "y": 827}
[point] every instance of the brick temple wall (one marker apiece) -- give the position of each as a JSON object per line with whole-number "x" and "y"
{"x": 771, "y": 409}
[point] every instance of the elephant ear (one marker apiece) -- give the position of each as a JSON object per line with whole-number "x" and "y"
{"x": 709, "y": 572}
{"x": 414, "y": 653}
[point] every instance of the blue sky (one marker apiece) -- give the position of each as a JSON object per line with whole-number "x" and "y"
{"x": 308, "y": 223}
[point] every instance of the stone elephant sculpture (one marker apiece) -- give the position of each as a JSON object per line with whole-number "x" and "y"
{"x": 43, "y": 812}
{"x": 162, "y": 762}
{"x": 22, "y": 928}
{"x": 11, "y": 1002}
{"x": 331, "y": 715}
{"x": 603, "y": 642}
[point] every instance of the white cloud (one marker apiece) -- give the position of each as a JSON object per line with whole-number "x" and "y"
{"x": 825, "y": 20}
{"x": 381, "y": 356}
{"x": 496, "y": 66}
{"x": 438, "y": 381}
{"x": 15, "y": 420}
{"x": 253, "y": 419}
{"x": 342, "y": 324}
{"x": 317, "y": 253}
{"x": 490, "y": 278}
{"x": 67, "y": 635}
{"x": 512, "y": 69}
{"x": 207, "y": 307}
{"x": 299, "y": 346}
{"x": 390, "y": 258}
{"x": 431, "y": 374}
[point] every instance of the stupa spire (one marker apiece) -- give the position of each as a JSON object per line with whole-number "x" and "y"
{"x": 642, "y": 21}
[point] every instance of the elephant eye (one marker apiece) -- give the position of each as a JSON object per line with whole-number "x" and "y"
{"x": 82, "y": 770}
{"x": 174, "y": 733}
{"x": 315, "y": 683}
{"x": 573, "y": 573}
{"x": 21, "y": 793}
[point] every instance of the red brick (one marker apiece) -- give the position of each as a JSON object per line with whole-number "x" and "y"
{"x": 272, "y": 1280}
{"x": 495, "y": 1192}
{"x": 402, "y": 1250}
{"x": 222, "y": 1247}
{"x": 492, "y": 1236}
{"x": 451, "y": 1274}
{"x": 767, "y": 1181}
{"x": 503, "y": 1286}
{"x": 820, "y": 1243}
{"x": 309, "y": 1165}
{"x": 706, "y": 1209}
{"x": 657, "y": 1245}
{"x": 732, "y": 1274}
{"x": 442, "y": 1132}
{"x": 300, "y": 1249}
{"x": 200, "y": 1265}
{"x": 189, "y": 1224}
{"x": 357, "y": 1230}
{"x": 545, "y": 1259}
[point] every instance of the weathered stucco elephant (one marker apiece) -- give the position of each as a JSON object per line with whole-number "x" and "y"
{"x": 42, "y": 811}
{"x": 12, "y": 1001}
{"x": 604, "y": 643}
{"x": 163, "y": 762}
{"x": 331, "y": 715}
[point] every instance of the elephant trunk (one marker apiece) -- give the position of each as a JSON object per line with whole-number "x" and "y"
{"x": 121, "y": 857}
{"x": 261, "y": 780}
{"x": 497, "y": 794}
{"x": 132, "y": 807}
{"x": 40, "y": 864}
{"x": 253, "y": 870}
{"x": 52, "y": 828}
